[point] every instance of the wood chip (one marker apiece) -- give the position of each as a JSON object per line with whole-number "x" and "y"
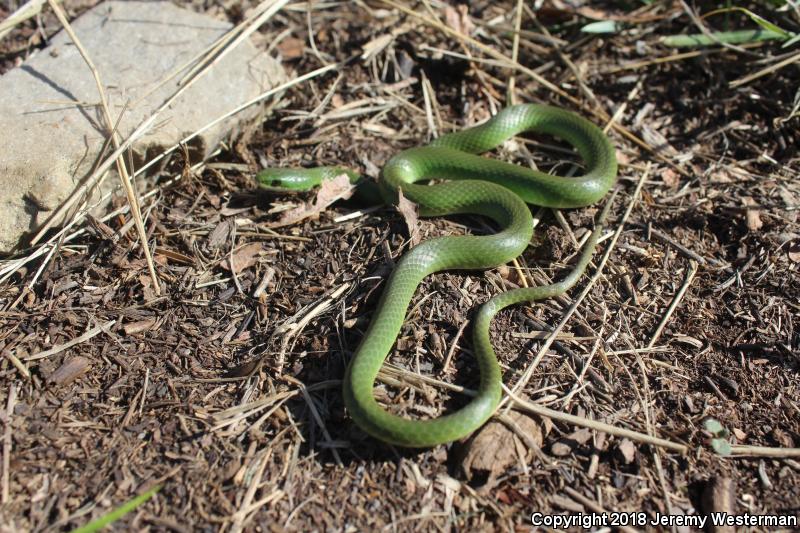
{"x": 138, "y": 327}
{"x": 408, "y": 210}
{"x": 565, "y": 446}
{"x": 71, "y": 370}
{"x": 752, "y": 217}
{"x": 720, "y": 497}
{"x": 458, "y": 19}
{"x": 220, "y": 235}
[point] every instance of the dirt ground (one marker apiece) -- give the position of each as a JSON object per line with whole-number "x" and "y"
{"x": 225, "y": 388}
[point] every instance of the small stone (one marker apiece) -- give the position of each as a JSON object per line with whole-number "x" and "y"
{"x": 628, "y": 450}
{"x": 51, "y": 139}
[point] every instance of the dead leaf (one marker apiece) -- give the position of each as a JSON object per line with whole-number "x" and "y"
{"x": 338, "y": 188}
{"x": 459, "y": 20}
{"x": 228, "y": 211}
{"x": 671, "y": 178}
{"x": 376, "y": 46}
{"x": 628, "y": 450}
{"x": 291, "y": 48}
{"x": 147, "y": 287}
{"x": 408, "y": 210}
{"x": 783, "y": 438}
{"x": 244, "y": 257}
{"x": 686, "y": 339}
{"x": 244, "y": 369}
{"x": 102, "y": 229}
{"x": 70, "y": 370}
{"x": 787, "y": 196}
{"x": 752, "y": 217}
{"x": 794, "y": 251}
{"x": 491, "y": 451}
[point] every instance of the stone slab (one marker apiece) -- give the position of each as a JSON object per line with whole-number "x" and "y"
{"x": 48, "y": 144}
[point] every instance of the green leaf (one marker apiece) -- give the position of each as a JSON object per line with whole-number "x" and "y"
{"x": 758, "y": 19}
{"x": 117, "y": 513}
{"x": 714, "y": 426}
{"x": 728, "y": 37}
{"x": 603, "y": 26}
{"x": 721, "y": 446}
{"x": 791, "y": 41}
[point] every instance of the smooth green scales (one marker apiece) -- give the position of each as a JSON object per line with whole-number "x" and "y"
{"x": 487, "y": 187}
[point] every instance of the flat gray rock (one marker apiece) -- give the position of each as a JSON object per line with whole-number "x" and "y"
{"x": 48, "y": 144}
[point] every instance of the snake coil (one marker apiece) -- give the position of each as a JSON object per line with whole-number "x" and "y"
{"x": 497, "y": 190}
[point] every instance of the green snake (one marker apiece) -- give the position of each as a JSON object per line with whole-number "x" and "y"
{"x": 487, "y": 187}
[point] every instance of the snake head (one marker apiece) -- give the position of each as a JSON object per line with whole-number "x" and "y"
{"x": 300, "y": 179}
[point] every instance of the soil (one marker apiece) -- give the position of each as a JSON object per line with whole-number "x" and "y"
{"x": 224, "y": 389}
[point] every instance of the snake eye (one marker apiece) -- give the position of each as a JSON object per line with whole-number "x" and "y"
{"x": 276, "y": 183}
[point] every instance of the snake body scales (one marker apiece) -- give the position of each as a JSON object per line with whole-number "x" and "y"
{"x": 482, "y": 186}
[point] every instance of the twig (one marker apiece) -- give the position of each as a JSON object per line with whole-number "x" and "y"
{"x": 763, "y": 72}
{"x": 675, "y": 301}
{"x": 594, "y": 506}
{"x": 510, "y": 95}
{"x": 268, "y": 275}
{"x": 245, "y": 508}
{"x": 488, "y": 50}
{"x": 28, "y": 10}
{"x": 143, "y": 128}
{"x": 318, "y": 419}
{"x": 598, "y": 272}
{"x": 453, "y": 346}
{"x": 705, "y": 31}
{"x": 292, "y": 327}
{"x": 261, "y": 97}
{"x": 62, "y": 236}
{"x": 12, "y": 400}
{"x": 6, "y": 271}
{"x": 263, "y": 13}
{"x": 61, "y": 347}
{"x": 121, "y": 167}
{"x": 682, "y": 249}
{"x": 593, "y": 424}
{"x": 567, "y": 62}
{"x": 540, "y": 410}
{"x": 763, "y": 451}
{"x": 19, "y": 365}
